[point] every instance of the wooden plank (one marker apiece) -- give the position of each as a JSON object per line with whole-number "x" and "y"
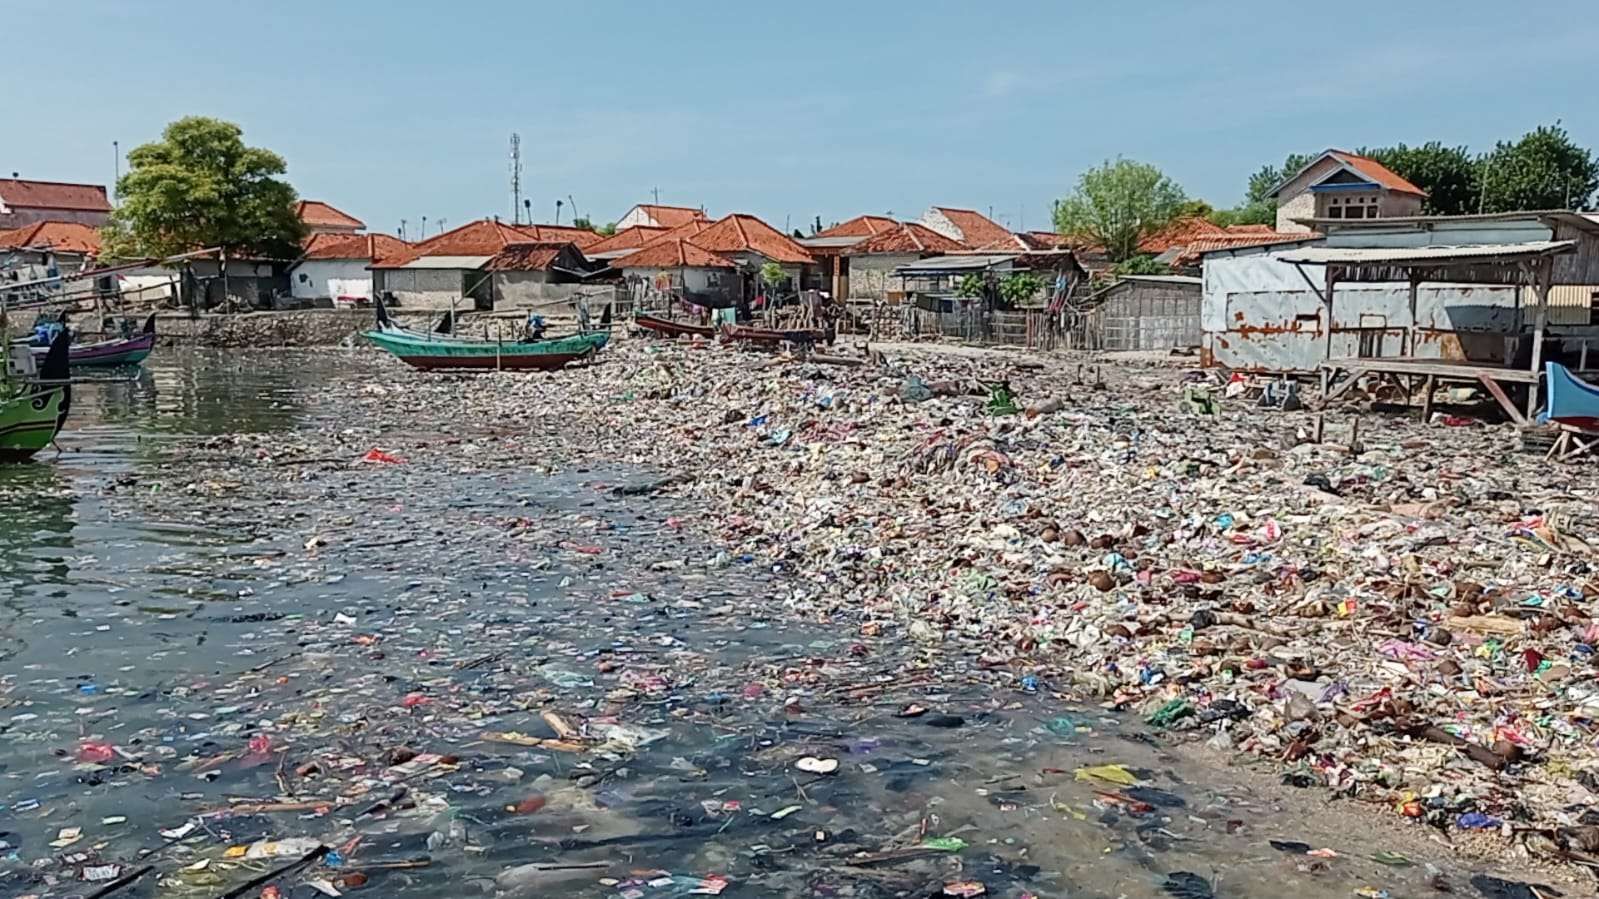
{"x": 1427, "y": 389}
{"x": 1498, "y": 393}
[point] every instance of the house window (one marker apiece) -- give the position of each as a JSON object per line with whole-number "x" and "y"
{"x": 1335, "y": 212}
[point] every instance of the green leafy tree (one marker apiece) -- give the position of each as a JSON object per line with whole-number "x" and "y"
{"x": 1019, "y": 287}
{"x": 200, "y": 186}
{"x": 1542, "y": 170}
{"x": 609, "y": 230}
{"x": 772, "y": 273}
{"x": 970, "y": 286}
{"x": 583, "y": 222}
{"x": 1447, "y": 174}
{"x": 1143, "y": 264}
{"x": 1117, "y": 204}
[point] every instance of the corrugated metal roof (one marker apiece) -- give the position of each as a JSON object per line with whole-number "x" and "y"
{"x": 1402, "y": 255}
{"x": 962, "y": 263}
{"x": 446, "y": 262}
{"x": 819, "y": 243}
{"x": 1190, "y": 280}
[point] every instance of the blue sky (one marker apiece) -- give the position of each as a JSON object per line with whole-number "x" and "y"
{"x": 394, "y": 110}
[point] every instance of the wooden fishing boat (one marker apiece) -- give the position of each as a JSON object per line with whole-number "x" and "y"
{"x": 34, "y": 404}
{"x": 108, "y": 353}
{"x": 1572, "y": 401}
{"x": 672, "y": 328}
{"x": 488, "y": 355}
{"x": 1573, "y": 407}
{"x": 770, "y": 336}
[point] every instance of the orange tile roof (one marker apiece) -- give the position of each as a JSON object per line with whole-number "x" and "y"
{"x": 1042, "y": 240}
{"x": 910, "y": 237}
{"x": 317, "y": 214}
{"x": 1190, "y": 255}
{"x": 671, "y": 216}
{"x": 1251, "y": 229}
{"x": 633, "y": 238}
{"x": 537, "y": 257}
{"x": 980, "y": 232}
{"x": 486, "y": 237}
{"x": 1376, "y": 172}
{"x": 739, "y": 233}
{"x": 376, "y": 247}
{"x": 583, "y": 237}
{"x": 67, "y": 237}
{"x": 673, "y": 252}
{"x": 53, "y": 195}
{"x": 1180, "y": 233}
{"x": 859, "y": 226}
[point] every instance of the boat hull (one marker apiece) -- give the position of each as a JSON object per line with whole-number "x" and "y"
{"x": 28, "y": 423}
{"x": 745, "y": 334}
{"x": 671, "y": 328}
{"x": 1572, "y": 402}
{"x": 109, "y": 353}
{"x": 463, "y": 355}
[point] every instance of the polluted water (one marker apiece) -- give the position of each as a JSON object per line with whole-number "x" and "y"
{"x": 293, "y": 624}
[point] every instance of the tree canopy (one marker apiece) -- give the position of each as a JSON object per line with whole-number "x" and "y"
{"x": 1542, "y": 170}
{"x": 1447, "y": 174}
{"x": 1117, "y": 204}
{"x": 200, "y": 186}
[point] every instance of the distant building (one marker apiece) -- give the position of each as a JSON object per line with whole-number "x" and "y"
{"x": 448, "y": 268}
{"x": 337, "y": 267}
{"x": 322, "y": 218}
{"x": 1341, "y": 185}
{"x": 657, "y": 216}
{"x": 869, "y": 266}
{"x": 979, "y": 232}
{"x": 27, "y": 202}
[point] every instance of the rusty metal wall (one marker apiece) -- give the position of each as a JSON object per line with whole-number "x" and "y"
{"x": 1280, "y": 325}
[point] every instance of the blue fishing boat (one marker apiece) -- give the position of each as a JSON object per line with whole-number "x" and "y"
{"x": 1572, "y": 401}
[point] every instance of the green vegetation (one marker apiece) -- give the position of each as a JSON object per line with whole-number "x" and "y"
{"x": 200, "y": 186}
{"x": 1119, "y": 203}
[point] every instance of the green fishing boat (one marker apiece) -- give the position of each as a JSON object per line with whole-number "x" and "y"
{"x": 422, "y": 352}
{"x": 34, "y": 400}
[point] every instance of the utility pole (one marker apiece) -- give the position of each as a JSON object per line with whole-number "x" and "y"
{"x": 516, "y": 179}
{"x": 657, "y": 192}
{"x": 402, "y": 229}
{"x": 116, "y": 165}
{"x": 424, "y": 227}
{"x": 557, "y": 212}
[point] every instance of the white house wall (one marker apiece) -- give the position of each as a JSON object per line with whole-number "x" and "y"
{"x": 426, "y": 288}
{"x": 331, "y": 279}
{"x": 871, "y": 276}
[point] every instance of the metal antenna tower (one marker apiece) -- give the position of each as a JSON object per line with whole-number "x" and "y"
{"x": 516, "y": 179}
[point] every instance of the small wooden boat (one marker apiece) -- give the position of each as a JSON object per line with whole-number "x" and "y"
{"x": 488, "y": 355}
{"x": 113, "y": 352}
{"x": 1572, "y": 401}
{"x": 771, "y": 336}
{"x": 34, "y": 405}
{"x": 671, "y": 328}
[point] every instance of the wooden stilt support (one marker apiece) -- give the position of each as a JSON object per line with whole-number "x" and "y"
{"x": 1427, "y": 389}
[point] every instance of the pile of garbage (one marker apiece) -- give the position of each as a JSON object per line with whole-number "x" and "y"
{"x": 1404, "y": 617}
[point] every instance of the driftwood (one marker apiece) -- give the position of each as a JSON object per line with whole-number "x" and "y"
{"x": 826, "y": 359}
